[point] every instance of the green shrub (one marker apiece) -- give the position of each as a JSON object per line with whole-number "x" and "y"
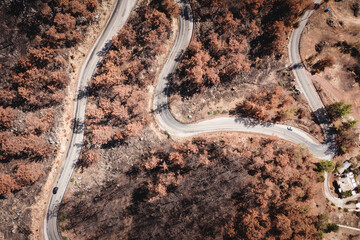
{"x": 338, "y": 110}
{"x": 347, "y": 194}
{"x": 305, "y": 209}
{"x": 62, "y": 217}
{"x": 167, "y": 134}
{"x": 216, "y": 112}
{"x": 321, "y": 178}
{"x": 332, "y": 227}
{"x": 325, "y": 165}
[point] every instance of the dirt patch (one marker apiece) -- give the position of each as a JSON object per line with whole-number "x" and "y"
{"x": 336, "y": 34}
{"x": 343, "y": 234}
{"x": 78, "y": 55}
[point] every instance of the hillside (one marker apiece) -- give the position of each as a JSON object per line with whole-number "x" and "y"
{"x": 238, "y": 48}
{"x": 37, "y": 42}
{"x": 217, "y": 187}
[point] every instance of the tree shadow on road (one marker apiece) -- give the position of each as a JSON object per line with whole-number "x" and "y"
{"x": 83, "y": 93}
{"x": 160, "y": 108}
{"x": 295, "y": 66}
{"x": 78, "y": 126}
{"x": 252, "y": 123}
{"x": 105, "y": 49}
{"x": 321, "y": 118}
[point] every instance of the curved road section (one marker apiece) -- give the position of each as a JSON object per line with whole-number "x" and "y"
{"x": 167, "y": 122}
{"x": 117, "y": 20}
{"x": 302, "y": 77}
{"x": 160, "y": 104}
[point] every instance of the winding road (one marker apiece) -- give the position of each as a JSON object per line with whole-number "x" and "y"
{"x": 160, "y": 103}
{"x": 168, "y": 123}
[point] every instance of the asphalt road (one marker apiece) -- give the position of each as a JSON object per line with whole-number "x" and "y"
{"x": 168, "y": 123}
{"x": 164, "y": 118}
{"x": 116, "y": 21}
{"x": 316, "y": 105}
{"x": 302, "y": 76}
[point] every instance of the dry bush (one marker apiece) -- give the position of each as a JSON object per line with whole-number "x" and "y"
{"x": 270, "y": 105}
{"x": 28, "y": 173}
{"x": 8, "y": 184}
{"x": 321, "y": 64}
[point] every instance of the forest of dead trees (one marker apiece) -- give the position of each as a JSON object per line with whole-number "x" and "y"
{"x": 34, "y": 82}
{"x": 277, "y": 104}
{"x": 200, "y": 188}
{"x": 35, "y": 38}
{"x": 248, "y": 180}
{"x": 221, "y": 187}
{"x": 118, "y": 94}
{"x": 230, "y": 36}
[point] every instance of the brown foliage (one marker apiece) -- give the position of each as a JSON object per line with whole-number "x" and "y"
{"x": 36, "y": 125}
{"x": 7, "y": 117}
{"x": 346, "y": 138}
{"x": 38, "y": 77}
{"x": 169, "y": 7}
{"x": 118, "y": 92}
{"x": 232, "y": 35}
{"x": 102, "y": 134}
{"x": 268, "y": 105}
{"x": 28, "y": 173}
{"x": 64, "y": 22}
{"x": 88, "y": 158}
{"x": 257, "y": 189}
{"x": 31, "y": 146}
{"x": 8, "y": 184}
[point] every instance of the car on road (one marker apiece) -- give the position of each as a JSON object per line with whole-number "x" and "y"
{"x": 55, "y": 190}
{"x": 289, "y": 128}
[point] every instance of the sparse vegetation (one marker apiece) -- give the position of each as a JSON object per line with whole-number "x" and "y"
{"x": 62, "y": 217}
{"x": 167, "y": 134}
